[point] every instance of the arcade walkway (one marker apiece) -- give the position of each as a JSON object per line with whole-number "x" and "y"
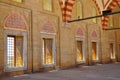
{"x": 96, "y": 72}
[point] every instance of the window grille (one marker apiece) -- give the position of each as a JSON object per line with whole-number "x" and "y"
{"x": 14, "y": 51}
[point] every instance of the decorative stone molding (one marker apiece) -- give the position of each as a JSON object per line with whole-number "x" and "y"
{"x": 48, "y": 27}
{"x": 15, "y": 21}
{"x": 16, "y": 33}
{"x": 94, "y": 34}
{"x": 80, "y": 32}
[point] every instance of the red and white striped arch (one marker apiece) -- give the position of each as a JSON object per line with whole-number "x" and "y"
{"x": 97, "y": 6}
{"x": 104, "y": 5}
{"x": 106, "y": 18}
{"x": 66, "y": 8}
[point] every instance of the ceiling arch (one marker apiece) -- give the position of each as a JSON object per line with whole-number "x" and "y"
{"x": 104, "y": 5}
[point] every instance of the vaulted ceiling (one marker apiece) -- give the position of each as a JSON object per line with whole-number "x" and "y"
{"x": 106, "y": 4}
{"x": 103, "y": 4}
{"x": 100, "y": 5}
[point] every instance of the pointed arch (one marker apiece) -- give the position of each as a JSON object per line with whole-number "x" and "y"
{"x": 15, "y": 21}
{"x": 105, "y": 19}
{"x": 79, "y": 9}
{"x": 48, "y": 27}
{"x": 94, "y": 34}
{"x": 80, "y": 32}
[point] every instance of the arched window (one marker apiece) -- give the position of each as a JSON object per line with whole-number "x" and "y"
{"x": 47, "y": 5}
{"x": 94, "y": 13}
{"x": 79, "y": 9}
{"x": 110, "y": 20}
{"x": 20, "y": 1}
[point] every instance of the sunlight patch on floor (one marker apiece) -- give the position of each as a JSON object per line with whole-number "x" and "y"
{"x": 21, "y": 75}
{"x": 53, "y": 71}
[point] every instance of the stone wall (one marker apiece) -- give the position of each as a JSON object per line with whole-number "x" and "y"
{"x": 40, "y": 21}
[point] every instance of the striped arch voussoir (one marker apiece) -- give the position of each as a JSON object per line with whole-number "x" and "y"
{"x": 66, "y": 9}
{"x": 106, "y": 18}
{"x": 97, "y": 6}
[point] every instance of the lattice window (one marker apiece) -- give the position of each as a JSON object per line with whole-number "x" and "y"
{"x": 10, "y": 51}
{"x": 14, "y": 51}
{"x": 47, "y": 5}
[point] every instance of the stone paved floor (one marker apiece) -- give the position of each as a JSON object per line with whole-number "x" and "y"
{"x": 96, "y": 72}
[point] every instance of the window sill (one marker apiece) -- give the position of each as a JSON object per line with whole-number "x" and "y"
{"x": 80, "y": 62}
{"x": 95, "y": 60}
{"x": 48, "y": 65}
{"x": 15, "y": 69}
